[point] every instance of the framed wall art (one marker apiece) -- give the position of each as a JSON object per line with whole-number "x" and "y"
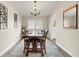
{"x": 54, "y": 20}
{"x": 3, "y": 17}
{"x": 15, "y": 20}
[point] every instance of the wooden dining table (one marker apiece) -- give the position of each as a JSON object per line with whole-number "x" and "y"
{"x": 35, "y": 38}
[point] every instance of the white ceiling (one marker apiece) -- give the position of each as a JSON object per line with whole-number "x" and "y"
{"x": 24, "y": 7}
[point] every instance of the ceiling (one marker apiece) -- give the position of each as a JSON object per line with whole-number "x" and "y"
{"x": 24, "y": 7}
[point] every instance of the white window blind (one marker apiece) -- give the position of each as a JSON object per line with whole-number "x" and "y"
{"x": 35, "y": 25}
{"x": 39, "y": 24}
{"x": 31, "y": 24}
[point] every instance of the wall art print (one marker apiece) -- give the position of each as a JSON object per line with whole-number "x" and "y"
{"x": 3, "y": 17}
{"x": 15, "y": 20}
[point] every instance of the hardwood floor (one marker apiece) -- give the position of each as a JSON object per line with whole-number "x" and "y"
{"x": 50, "y": 47}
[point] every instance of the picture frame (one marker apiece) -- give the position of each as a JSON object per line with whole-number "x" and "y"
{"x": 3, "y": 17}
{"x": 54, "y": 20}
{"x": 15, "y": 20}
{"x": 70, "y": 17}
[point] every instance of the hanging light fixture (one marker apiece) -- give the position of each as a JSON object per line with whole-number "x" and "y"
{"x": 35, "y": 11}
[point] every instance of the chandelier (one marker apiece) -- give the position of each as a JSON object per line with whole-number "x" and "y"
{"x": 35, "y": 11}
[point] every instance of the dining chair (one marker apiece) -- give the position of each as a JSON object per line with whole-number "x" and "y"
{"x": 23, "y": 36}
{"x": 44, "y": 39}
{"x": 35, "y": 42}
{"x": 39, "y": 42}
{"x": 25, "y": 43}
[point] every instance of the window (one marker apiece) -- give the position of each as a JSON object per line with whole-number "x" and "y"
{"x": 35, "y": 26}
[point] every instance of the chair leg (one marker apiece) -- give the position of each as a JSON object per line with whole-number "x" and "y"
{"x": 24, "y": 50}
{"x": 27, "y": 49}
{"x": 44, "y": 48}
{"x": 41, "y": 43}
{"x": 24, "y": 47}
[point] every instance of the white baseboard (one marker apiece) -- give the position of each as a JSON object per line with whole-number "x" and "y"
{"x": 63, "y": 51}
{"x": 7, "y": 49}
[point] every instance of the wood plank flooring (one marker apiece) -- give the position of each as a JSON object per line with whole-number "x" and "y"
{"x": 50, "y": 47}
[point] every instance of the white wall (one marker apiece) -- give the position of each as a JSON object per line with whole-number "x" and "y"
{"x": 68, "y": 39}
{"x": 44, "y": 19}
{"x": 11, "y": 35}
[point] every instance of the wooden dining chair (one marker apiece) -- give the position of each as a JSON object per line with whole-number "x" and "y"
{"x": 24, "y": 37}
{"x": 44, "y": 39}
{"x": 29, "y": 43}
{"x": 25, "y": 43}
{"x": 39, "y": 42}
{"x": 35, "y": 42}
